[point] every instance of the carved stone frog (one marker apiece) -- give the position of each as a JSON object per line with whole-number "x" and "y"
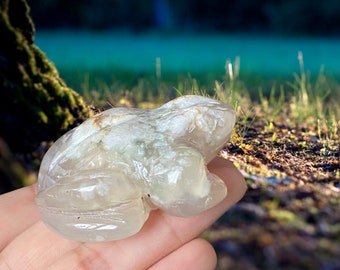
{"x": 99, "y": 181}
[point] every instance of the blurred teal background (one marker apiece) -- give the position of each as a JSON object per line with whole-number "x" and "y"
{"x": 189, "y": 37}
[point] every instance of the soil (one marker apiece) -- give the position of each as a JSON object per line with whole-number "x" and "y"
{"x": 290, "y": 215}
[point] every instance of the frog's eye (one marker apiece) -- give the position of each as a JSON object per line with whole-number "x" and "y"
{"x": 100, "y": 181}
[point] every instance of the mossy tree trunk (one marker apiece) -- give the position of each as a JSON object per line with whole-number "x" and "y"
{"x": 35, "y": 104}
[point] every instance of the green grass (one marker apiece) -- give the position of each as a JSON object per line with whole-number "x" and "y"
{"x": 303, "y": 99}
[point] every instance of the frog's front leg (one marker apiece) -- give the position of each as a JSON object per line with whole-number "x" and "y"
{"x": 182, "y": 184}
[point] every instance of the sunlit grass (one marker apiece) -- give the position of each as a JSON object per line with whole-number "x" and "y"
{"x": 302, "y": 100}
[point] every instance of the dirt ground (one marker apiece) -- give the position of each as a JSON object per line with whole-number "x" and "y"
{"x": 290, "y": 215}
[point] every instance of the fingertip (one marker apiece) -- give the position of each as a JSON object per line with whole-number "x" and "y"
{"x": 231, "y": 176}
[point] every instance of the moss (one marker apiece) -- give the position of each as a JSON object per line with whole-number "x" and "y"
{"x": 283, "y": 215}
{"x": 12, "y": 173}
{"x": 35, "y": 104}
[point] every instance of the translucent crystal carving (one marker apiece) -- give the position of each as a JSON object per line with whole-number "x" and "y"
{"x": 100, "y": 180}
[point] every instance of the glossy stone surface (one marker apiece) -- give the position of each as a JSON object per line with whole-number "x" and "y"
{"x": 100, "y": 180}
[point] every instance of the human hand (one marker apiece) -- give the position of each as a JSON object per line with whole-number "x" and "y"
{"x": 164, "y": 242}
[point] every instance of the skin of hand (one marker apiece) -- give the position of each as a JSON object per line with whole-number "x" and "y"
{"x": 165, "y": 242}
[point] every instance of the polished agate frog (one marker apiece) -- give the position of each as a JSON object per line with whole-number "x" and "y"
{"x": 99, "y": 181}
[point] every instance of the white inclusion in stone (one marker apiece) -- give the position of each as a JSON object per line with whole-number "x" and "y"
{"x": 100, "y": 181}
